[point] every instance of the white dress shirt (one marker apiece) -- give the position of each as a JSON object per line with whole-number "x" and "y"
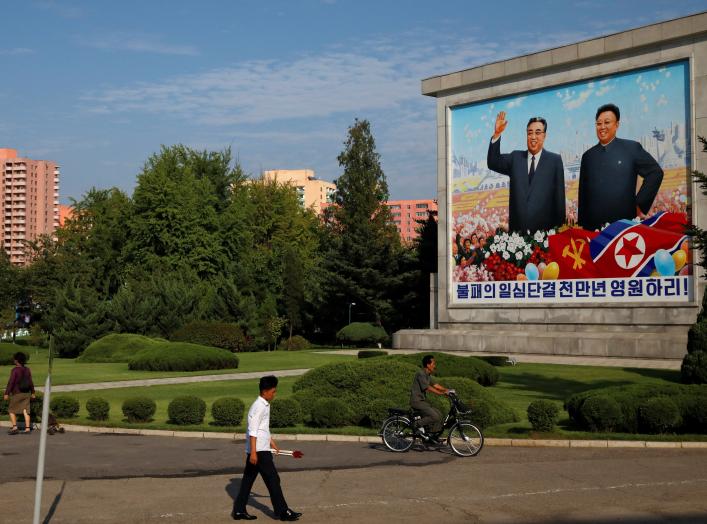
{"x": 258, "y": 425}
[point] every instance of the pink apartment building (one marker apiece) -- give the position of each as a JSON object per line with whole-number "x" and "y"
{"x": 29, "y": 198}
{"x": 406, "y": 212}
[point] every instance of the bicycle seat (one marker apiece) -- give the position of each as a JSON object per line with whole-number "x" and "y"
{"x": 398, "y": 411}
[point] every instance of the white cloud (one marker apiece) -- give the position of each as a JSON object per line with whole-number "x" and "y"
{"x": 516, "y": 102}
{"x": 662, "y": 101}
{"x": 137, "y": 43}
{"x": 571, "y": 100}
{"x": 16, "y": 51}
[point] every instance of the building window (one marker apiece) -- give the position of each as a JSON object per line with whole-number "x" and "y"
{"x": 421, "y": 206}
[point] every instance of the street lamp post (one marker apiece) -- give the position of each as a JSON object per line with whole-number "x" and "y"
{"x": 351, "y": 304}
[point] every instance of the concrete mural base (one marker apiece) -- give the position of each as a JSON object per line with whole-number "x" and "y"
{"x": 548, "y": 340}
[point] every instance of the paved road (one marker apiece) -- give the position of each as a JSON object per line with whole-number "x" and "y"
{"x": 95, "y": 478}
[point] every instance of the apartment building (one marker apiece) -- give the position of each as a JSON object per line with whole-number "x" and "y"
{"x": 405, "y": 213}
{"x": 311, "y": 191}
{"x": 29, "y": 200}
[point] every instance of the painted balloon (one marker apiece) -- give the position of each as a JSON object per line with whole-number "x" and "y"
{"x": 541, "y": 267}
{"x": 685, "y": 246}
{"x": 521, "y": 276}
{"x": 664, "y": 263}
{"x": 531, "y": 271}
{"x": 685, "y": 271}
{"x": 680, "y": 258}
{"x": 552, "y": 271}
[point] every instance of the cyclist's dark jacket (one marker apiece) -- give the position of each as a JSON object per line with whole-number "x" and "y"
{"x": 418, "y": 392}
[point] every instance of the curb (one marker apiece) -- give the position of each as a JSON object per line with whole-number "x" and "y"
{"x": 496, "y": 442}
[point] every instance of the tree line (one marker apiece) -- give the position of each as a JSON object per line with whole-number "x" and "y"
{"x": 199, "y": 240}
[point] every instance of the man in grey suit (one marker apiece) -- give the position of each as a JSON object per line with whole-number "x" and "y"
{"x": 608, "y": 176}
{"x": 537, "y": 194}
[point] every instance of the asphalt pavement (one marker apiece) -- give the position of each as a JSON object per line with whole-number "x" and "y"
{"x": 102, "y": 478}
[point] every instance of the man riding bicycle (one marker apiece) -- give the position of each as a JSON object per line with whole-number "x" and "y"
{"x": 421, "y": 384}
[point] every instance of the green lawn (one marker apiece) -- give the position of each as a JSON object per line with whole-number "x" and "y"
{"x": 69, "y": 371}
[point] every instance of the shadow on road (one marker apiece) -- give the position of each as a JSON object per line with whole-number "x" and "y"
{"x": 55, "y": 504}
{"x": 234, "y": 486}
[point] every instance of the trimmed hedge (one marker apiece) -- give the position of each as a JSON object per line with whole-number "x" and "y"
{"x": 297, "y": 343}
{"x": 330, "y": 413}
{"x": 496, "y": 360}
{"x": 370, "y": 353}
{"x": 285, "y": 412}
{"x": 361, "y": 334}
{"x": 182, "y": 356}
{"x": 691, "y": 401}
{"x": 227, "y": 411}
{"x": 6, "y": 352}
{"x": 222, "y": 335}
{"x": 117, "y": 347}
{"x": 98, "y": 408}
{"x": 139, "y": 409}
{"x": 456, "y": 366}
{"x": 659, "y": 415}
{"x": 186, "y": 409}
{"x": 64, "y": 407}
{"x": 369, "y": 386}
{"x": 542, "y": 415}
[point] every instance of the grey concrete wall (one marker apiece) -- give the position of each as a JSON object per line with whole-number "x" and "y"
{"x": 684, "y": 38}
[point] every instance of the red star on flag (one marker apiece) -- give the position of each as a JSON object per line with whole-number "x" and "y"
{"x": 629, "y": 249}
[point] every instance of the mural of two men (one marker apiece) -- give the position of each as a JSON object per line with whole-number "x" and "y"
{"x": 607, "y": 181}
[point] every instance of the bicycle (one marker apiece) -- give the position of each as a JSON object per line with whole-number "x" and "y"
{"x": 400, "y": 430}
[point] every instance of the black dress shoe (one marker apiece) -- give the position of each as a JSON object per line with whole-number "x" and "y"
{"x": 290, "y": 515}
{"x": 242, "y": 516}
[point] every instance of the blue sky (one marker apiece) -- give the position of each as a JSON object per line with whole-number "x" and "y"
{"x": 98, "y": 86}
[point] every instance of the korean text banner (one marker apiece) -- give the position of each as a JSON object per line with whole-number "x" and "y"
{"x": 574, "y": 193}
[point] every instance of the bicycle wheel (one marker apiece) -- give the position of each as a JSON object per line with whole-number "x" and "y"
{"x": 397, "y": 434}
{"x": 465, "y": 439}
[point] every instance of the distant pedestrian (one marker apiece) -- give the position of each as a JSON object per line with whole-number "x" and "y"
{"x": 19, "y": 391}
{"x": 258, "y": 447}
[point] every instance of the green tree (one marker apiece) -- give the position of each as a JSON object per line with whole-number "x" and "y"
{"x": 77, "y": 318}
{"x": 175, "y": 222}
{"x": 364, "y": 250}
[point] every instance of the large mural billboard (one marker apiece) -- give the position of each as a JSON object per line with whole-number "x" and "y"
{"x": 573, "y": 193}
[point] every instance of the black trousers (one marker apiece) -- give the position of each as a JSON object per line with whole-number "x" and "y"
{"x": 266, "y": 468}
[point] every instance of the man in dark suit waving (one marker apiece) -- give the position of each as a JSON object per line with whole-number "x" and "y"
{"x": 608, "y": 176}
{"x": 537, "y": 193}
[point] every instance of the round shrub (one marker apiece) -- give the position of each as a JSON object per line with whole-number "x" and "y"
{"x": 482, "y": 414}
{"x": 361, "y": 334}
{"x": 694, "y": 413}
{"x": 64, "y": 407}
{"x": 694, "y": 368}
{"x": 186, "y": 409}
{"x": 98, "y": 408}
{"x": 227, "y": 411}
{"x": 330, "y": 413}
{"x": 697, "y": 337}
{"x": 601, "y": 413}
{"x": 542, "y": 415}
{"x": 182, "y": 356}
{"x": 222, "y": 335}
{"x": 370, "y": 353}
{"x": 139, "y": 409}
{"x": 297, "y": 343}
{"x": 117, "y": 347}
{"x": 285, "y": 412}
{"x": 659, "y": 415}
{"x": 457, "y": 366}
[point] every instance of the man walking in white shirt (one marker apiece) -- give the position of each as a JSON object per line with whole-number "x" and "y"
{"x": 259, "y": 457}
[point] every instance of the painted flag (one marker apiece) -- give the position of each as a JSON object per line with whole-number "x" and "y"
{"x": 626, "y": 248}
{"x": 570, "y": 249}
{"x": 675, "y": 222}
